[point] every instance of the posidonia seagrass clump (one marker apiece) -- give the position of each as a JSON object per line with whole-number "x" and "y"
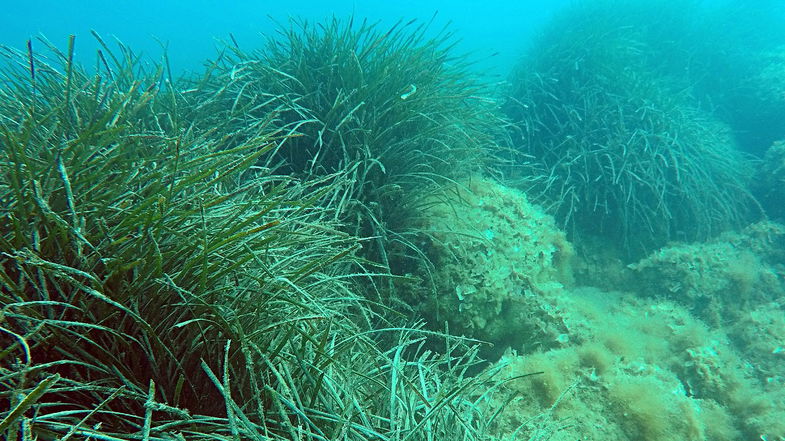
{"x": 619, "y": 149}
{"x": 393, "y": 111}
{"x": 770, "y": 181}
{"x": 155, "y": 284}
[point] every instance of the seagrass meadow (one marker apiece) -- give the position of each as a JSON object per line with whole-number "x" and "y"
{"x": 349, "y": 232}
{"x": 164, "y": 278}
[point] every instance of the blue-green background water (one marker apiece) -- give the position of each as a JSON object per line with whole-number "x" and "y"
{"x": 190, "y": 29}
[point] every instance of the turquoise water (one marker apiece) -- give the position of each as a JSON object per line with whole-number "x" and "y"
{"x": 190, "y": 28}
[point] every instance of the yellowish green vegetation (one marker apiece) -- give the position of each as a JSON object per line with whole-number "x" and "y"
{"x": 646, "y": 370}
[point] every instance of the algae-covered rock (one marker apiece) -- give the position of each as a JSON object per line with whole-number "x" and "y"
{"x": 646, "y": 369}
{"x": 760, "y": 336}
{"x": 718, "y": 278}
{"x": 497, "y": 259}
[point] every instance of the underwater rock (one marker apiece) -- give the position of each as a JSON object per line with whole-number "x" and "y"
{"x": 718, "y": 278}
{"x": 646, "y": 369}
{"x": 498, "y": 260}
